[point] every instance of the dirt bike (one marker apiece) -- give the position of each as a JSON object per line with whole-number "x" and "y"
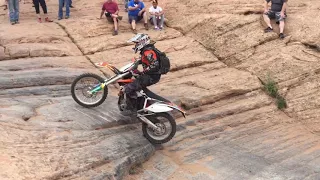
{"x": 158, "y": 125}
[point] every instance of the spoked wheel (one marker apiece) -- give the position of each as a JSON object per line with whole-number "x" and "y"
{"x": 81, "y": 87}
{"x": 165, "y": 131}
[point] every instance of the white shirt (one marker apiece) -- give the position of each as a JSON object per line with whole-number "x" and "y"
{"x": 153, "y": 10}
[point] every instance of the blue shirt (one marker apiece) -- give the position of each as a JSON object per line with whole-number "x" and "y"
{"x": 133, "y": 4}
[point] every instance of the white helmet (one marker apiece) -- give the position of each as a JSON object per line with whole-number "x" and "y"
{"x": 141, "y": 40}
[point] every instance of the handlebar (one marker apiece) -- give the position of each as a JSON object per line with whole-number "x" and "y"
{"x": 135, "y": 65}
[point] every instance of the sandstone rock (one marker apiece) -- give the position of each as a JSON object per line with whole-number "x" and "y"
{"x": 303, "y": 102}
{"x": 205, "y": 149}
{"x": 32, "y": 33}
{"x": 42, "y": 71}
{"x": 78, "y": 62}
{"x": 182, "y": 73}
{"x": 105, "y": 42}
{"x": 205, "y": 88}
{"x": 2, "y": 53}
{"x": 28, "y": 41}
{"x": 18, "y": 52}
{"x": 44, "y": 134}
{"x": 42, "y": 50}
{"x": 236, "y": 40}
{"x": 282, "y": 62}
{"x": 53, "y": 91}
{"x": 39, "y": 77}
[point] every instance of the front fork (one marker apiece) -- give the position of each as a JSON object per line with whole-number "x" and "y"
{"x": 97, "y": 88}
{"x": 107, "y": 82}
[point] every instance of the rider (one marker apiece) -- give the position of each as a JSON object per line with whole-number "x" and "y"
{"x": 151, "y": 68}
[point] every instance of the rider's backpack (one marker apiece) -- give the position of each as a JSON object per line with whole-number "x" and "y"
{"x": 164, "y": 61}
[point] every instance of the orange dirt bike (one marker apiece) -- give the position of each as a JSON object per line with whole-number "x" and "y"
{"x": 158, "y": 125}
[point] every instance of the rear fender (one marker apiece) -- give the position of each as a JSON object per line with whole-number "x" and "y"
{"x": 174, "y": 106}
{"x": 158, "y": 108}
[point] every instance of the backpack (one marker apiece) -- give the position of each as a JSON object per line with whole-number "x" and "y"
{"x": 164, "y": 61}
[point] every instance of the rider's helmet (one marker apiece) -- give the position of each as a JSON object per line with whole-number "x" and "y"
{"x": 140, "y": 40}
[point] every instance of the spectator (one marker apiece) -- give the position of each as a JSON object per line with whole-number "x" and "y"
{"x": 60, "y": 14}
{"x": 44, "y": 9}
{"x": 136, "y": 13}
{"x": 126, "y": 5}
{"x": 278, "y": 12}
{"x": 156, "y": 15}
{"x": 70, "y": 4}
{"x": 14, "y": 11}
{"x": 111, "y": 10}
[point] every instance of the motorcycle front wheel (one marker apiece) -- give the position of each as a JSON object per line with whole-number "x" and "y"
{"x": 83, "y": 84}
{"x": 166, "y": 131}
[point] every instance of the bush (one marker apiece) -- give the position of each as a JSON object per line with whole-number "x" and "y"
{"x": 270, "y": 86}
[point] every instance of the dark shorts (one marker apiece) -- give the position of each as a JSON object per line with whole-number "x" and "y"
{"x": 276, "y": 15}
{"x": 136, "y": 18}
{"x": 141, "y": 82}
{"x": 109, "y": 17}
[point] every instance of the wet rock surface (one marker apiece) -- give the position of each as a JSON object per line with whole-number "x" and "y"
{"x": 218, "y": 53}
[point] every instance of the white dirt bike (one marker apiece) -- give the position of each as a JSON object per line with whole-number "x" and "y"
{"x": 158, "y": 125}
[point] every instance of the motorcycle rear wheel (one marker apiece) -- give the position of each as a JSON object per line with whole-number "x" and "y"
{"x": 84, "y": 91}
{"x": 156, "y": 137}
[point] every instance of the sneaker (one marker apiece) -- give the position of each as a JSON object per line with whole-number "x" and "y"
{"x": 268, "y": 29}
{"x": 134, "y": 31}
{"x": 146, "y": 26}
{"x": 39, "y": 20}
{"x": 281, "y": 36}
{"x": 156, "y": 28}
{"x": 71, "y": 6}
{"x": 115, "y": 33}
{"x": 59, "y": 18}
{"x": 161, "y": 27}
{"x": 13, "y": 23}
{"x": 119, "y": 18}
{"x": 67, "y": 17}
{"x": 17, "y": 22}
{"x": 48, "y": 20}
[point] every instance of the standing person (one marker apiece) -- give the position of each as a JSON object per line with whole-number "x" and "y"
{"x": 14, "y": 11}
{"x": 157, "y": 15}
{"x": 278, "y": 12}
{"x": 70, "y": 4}
{"x": 44, "y": 9}
{"x": 111, "y": 10}
{"x": 126, "y": 2}
{"x": 67, "y": 5}
{"x": 137, "y": 11}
